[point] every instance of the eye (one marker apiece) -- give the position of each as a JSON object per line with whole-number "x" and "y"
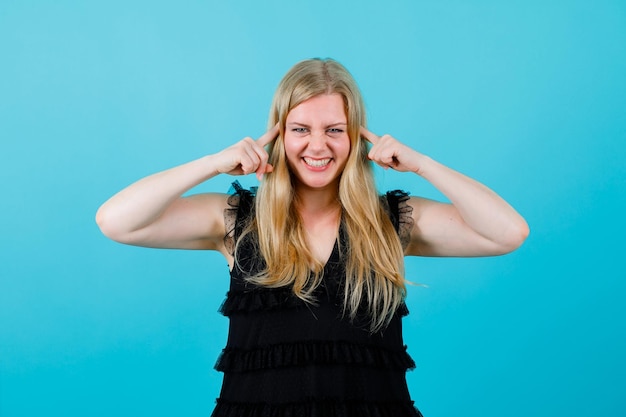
{"x": 335, "y": 131}
{"x": 299, "y": 130}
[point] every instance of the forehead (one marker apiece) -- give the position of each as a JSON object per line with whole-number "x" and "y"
{"x": 325, "y": 108}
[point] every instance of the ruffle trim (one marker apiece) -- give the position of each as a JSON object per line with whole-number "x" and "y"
{"x": 240, "y": 210}
{"x": 401, "y": 214}
{"x": 318, "y": 407}
{"x": 259, "y": 299}
{"x": 313, "y": 353}
{"x": 270, "y": 299}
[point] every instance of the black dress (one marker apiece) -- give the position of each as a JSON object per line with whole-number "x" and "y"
{"x": 287, "y": 358}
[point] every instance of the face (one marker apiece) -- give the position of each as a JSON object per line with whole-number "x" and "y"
{"x": 317, "y": 144}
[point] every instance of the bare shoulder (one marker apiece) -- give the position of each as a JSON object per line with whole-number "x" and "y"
{"x": 208, "y": 201}
{"x": 437, "y": 227}
{"x": 191, "y": 222}
{"x": 202, "y": 219}
{"x": 421, "y": 205}
{"x": 440, "y": 230}
{"x": 217, "y": 220}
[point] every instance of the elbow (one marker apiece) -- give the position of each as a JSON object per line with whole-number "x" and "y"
{"x": 107, "y": 225}
{"x": 104, "y": 224}
{"x": 514, "y": 238}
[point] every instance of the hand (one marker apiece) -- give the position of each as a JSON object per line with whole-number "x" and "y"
{"x": 248, "y": 155}
{"x": 388, "y": 152}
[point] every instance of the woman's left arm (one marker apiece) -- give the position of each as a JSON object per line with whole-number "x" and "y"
{"x": 477, "y": 222}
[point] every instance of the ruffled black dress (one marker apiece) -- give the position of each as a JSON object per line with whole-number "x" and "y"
{"x": 287, "y": 358}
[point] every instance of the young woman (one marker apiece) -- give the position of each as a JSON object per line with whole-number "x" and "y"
{"x": 316, "y": 255}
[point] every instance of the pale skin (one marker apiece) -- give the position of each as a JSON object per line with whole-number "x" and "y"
{"x": 152, "y": 212}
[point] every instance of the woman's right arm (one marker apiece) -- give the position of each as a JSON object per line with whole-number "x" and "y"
{"x": 152, "y": 212}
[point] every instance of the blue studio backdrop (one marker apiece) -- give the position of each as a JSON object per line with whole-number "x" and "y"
{"x": 528, "y": 97}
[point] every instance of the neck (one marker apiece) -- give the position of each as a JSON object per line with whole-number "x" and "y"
{"x": 317, "y": 201}
{"x": 320, "y": 214}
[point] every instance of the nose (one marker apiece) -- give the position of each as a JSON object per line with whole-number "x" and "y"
{"x": 318, "y": 140}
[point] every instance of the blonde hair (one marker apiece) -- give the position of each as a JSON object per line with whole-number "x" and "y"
{"x": 374, "y": 261}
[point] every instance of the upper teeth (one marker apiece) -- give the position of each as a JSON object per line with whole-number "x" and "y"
{"x": 317, "y": 162}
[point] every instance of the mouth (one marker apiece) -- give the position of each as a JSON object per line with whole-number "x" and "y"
{"x": 317, "y": 163}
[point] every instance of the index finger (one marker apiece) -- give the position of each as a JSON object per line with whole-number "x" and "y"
{"x": 268, "y": 136}
{"x": 369, "y": 136}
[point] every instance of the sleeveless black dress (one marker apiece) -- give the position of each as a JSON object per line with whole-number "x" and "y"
{"x": 287, "y": 358}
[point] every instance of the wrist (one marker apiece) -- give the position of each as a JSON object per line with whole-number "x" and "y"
{"x": 209, "y": 165}
{"x": 423, "y": 164}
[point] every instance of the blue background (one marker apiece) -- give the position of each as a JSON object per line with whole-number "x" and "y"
{"x": 528, "y": 97}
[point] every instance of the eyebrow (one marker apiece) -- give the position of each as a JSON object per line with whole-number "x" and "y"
{"x": 306, "y": 125}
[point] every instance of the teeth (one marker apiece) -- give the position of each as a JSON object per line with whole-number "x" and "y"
{"x": 317, "y": 162}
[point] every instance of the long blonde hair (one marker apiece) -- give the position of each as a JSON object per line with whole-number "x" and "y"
{"x": 373, "y": 256}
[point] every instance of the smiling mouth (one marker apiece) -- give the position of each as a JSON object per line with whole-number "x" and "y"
{"x": 317, "y": 163}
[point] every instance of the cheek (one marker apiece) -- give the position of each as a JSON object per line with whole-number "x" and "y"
{"x": 343, "y": 147}
{"x": 291, "y": 147}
